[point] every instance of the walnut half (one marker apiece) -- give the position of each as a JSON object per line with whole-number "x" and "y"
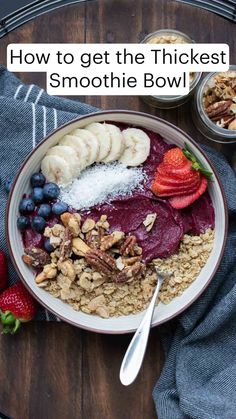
{"x": 108, "y": 241}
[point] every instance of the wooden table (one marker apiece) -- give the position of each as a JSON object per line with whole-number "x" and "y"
{"x": 55, "y": 371}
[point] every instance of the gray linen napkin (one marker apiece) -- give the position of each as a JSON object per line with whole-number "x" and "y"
{"x": 199, "y": 377}
{"x": 27, "y": 114}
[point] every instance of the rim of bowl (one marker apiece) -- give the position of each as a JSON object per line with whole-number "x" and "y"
{"x": 109, "y": 113}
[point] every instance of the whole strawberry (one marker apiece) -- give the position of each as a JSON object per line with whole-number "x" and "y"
{"x": 3, "y": 271}
{"x": 17, "y": 306}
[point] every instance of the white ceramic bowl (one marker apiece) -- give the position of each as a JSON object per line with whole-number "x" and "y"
{"x": 123, "y": 324}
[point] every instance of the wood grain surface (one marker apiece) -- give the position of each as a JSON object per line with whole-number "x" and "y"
{"x": 55, "y": 371}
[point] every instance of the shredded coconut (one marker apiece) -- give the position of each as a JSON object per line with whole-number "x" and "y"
{"x": 102, "y": 183}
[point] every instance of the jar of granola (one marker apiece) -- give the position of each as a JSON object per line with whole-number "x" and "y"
{"x": 214, "y": 108}
{"x": 170, "y": 36}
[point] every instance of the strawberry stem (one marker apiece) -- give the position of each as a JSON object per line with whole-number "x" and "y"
{"x": 10, "y": 323}
{"x": 196, "y": 165}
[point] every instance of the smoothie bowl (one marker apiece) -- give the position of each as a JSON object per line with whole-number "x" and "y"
{"x": 101, "y": 204}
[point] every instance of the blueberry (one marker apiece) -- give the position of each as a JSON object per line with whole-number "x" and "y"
{"x": 37, "y": 179}
{"x": 51, "y": 191}
{"x": 47, "y": 246}
{"x": 8, "y": 184}
{"x": 37, "y": 195}
{"x": 23, "y": 222}
{"x": 26, "y": 206}
{"x": 44, "y": 210}
{"x": 38, "y": 224}
{"x": 59, "y": 208}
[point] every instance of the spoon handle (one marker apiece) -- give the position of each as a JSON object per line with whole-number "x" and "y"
{"x": 136, "y": 350}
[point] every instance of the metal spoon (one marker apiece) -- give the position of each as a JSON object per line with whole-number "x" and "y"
{"x": 136, "y": 350}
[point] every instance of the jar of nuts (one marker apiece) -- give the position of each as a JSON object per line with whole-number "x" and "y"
{"x": 170, "y": 36}
{"x": 214, "y": 108}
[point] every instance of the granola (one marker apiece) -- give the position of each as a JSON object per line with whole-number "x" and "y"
{"x": 186, "y": 265}
{"x": 111, "y": 279}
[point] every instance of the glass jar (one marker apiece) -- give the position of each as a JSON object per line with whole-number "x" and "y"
{"x": 202, "y": 121}
{"x": 170, "y": 36}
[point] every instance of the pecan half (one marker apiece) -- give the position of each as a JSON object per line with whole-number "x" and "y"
{"x": 222, "y": 115}
{"x": 35, "y": 257}
{"x": 218, "y": 108}
{"x": 128, "y": 246}
{"x": 108, "y": 241}
{"x": 101, "y": 261}
{"x": 130, "y": 272}
{"x": 66, "y": 245}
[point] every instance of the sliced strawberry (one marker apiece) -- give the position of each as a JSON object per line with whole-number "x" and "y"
{"x": 178, "y": 179}
{"x": 183, "y": 201}
{"x": 192, "y": 179}
{"x": 175, "y": 157}
{"x": 168, "y": 170}
{"x": 163, "y": 190}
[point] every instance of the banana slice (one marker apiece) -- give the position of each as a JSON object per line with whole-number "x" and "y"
{"x": 137, "y": 147}
{"x": 117, "y": 143}
{"x": 57, "y": 170}
{"x": 80, "y": 148}
{"x": 103, "y": 137}
{"x": 68, "y": 154}
{"x": 91, "y": 141}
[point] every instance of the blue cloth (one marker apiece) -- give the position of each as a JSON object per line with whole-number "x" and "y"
{"x": 199, "y": 376}
{"x": 27, "y": 115}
